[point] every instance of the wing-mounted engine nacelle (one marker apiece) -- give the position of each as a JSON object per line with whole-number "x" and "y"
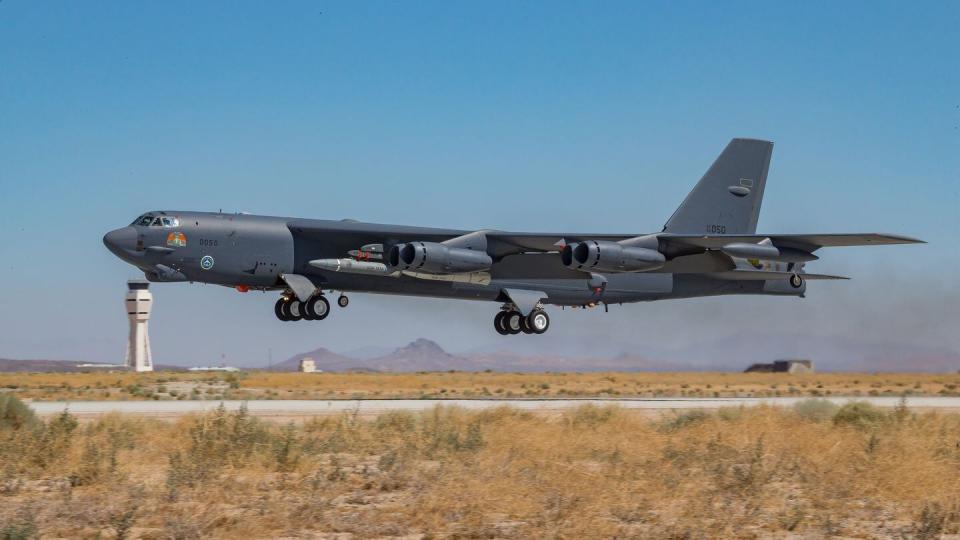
{"x": 436, "y": 258}
{"x": 607, "y": 256}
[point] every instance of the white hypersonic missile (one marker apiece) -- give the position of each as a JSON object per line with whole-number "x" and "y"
{"x": 351, "y": 266}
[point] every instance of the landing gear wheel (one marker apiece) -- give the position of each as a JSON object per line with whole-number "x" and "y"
{"x": 796, "y": 281}
{"x": 538, "y": 321}
{"x": 525, "y": 326}
{"x": 513, "y": 322}
{"x": 295, "y": 309}
{"x": 499, "y": 325}
{"x": 343, "y": 301}
{"x": 318, "y": 308}
{"x": 279, "y": 309}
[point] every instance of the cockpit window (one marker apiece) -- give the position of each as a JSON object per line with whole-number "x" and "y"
{"x": 149, "y": 220}
{"x": 143, "y": 220}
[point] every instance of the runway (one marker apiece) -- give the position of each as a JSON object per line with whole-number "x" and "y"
{"x": 372, "y": 407}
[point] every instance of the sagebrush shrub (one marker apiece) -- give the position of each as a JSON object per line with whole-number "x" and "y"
{"x": 15, "y": 414}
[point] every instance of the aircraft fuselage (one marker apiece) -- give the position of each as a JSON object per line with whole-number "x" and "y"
{"x": 249, "y": 251}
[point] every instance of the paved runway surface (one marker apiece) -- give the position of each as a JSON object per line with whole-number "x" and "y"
{"x": 301, "y": 408}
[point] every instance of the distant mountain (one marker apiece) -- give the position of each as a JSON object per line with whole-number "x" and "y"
{"x": 422, "y": 355}
{"x": 426, "y": 355}
{"x": 731, "y": 353}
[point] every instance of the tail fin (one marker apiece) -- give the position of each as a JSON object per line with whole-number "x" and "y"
{"x": 727, "y": 199}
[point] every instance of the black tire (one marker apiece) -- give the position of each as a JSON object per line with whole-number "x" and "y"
{"x": 796, "y": 281}
{"x": 343, "y": 301}
{"x": 304, "y": 313}
{"x": 498, "y": 323}
{"x": 295, "y": 309}
{"x": 525, "y": 326}
{"x": 538, "y": 321}
{"x": 513, "y": 322}
{"x": 278, "y": 310}
{"x": 318, "y": 308}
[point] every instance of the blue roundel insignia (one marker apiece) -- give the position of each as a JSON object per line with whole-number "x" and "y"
{"x": 206, "y": 262}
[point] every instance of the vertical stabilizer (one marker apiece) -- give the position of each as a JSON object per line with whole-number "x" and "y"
{"x": 727, "y": 199}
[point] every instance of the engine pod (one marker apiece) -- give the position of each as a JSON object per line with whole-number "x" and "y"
{"x": 436, "y": 258}
{"x": 606, "y": 256}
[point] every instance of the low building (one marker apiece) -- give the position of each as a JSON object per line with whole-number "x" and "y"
{"x": 101, "y": 366}
{"x": 214, "y": 368}
{"x": 307, "y": 365}
{"x": 792, "y": 366}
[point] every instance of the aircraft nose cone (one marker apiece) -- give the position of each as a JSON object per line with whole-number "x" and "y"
{"x": 121, "y": 241}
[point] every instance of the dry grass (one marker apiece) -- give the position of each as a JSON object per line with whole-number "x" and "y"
{"x": 264, "y": 385}
{"x": 591, "y": 473}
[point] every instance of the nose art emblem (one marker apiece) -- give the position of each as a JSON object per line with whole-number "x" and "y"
{"x": 176, "y": 239}
{"x": 206, "y": 262}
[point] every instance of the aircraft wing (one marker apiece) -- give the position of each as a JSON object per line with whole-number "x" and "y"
{"x": 503, "y": 243}
{"x": 806, "y": 242}
{"x": 763, "y": 275}
{"x": 539, "y": 242}
{"x": 698, "y": 242}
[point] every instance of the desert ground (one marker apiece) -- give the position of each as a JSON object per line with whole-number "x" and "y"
{"x": 461, "y": 385}
{"x": 810, "y": 471}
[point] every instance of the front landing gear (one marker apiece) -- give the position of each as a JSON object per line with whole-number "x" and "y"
{"x": 289, "y": 308}
{"x": 538, "y": 321}
{"x": 509, "y": 321}
{"x": 318, "y": 308}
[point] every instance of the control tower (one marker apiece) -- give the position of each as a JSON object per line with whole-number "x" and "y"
{"x": 138, "y": 302}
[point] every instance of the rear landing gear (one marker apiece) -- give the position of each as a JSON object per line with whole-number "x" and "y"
{"x": 511, "y": 322}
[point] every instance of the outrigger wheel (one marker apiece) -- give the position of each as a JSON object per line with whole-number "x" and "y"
{"x": 343, "y": 301}
{"x": 796, "y": 281}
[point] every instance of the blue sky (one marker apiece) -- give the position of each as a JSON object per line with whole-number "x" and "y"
{"x": 528, "y": 116}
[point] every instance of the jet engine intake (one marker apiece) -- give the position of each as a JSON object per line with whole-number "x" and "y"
{"x": 606, "y": 256}
{"x": 436, "y": 258}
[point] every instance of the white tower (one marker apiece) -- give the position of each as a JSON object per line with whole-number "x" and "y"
{"x": 139, "y": 301}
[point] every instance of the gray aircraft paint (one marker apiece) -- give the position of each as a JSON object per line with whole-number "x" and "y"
{"x": 274, "y": 253}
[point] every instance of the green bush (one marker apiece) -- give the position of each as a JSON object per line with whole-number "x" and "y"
{"x": 14, "y": 414}
{"x": 816, "y": 410}
{"x": 685, "y": 419}
{"x": 590, "y": 415}
{"x": 859, "y": 414}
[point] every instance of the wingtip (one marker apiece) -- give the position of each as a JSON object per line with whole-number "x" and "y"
{"x": 902, "y": 239}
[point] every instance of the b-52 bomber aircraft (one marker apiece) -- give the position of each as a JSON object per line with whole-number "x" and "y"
{"x": 708, "y": 247}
